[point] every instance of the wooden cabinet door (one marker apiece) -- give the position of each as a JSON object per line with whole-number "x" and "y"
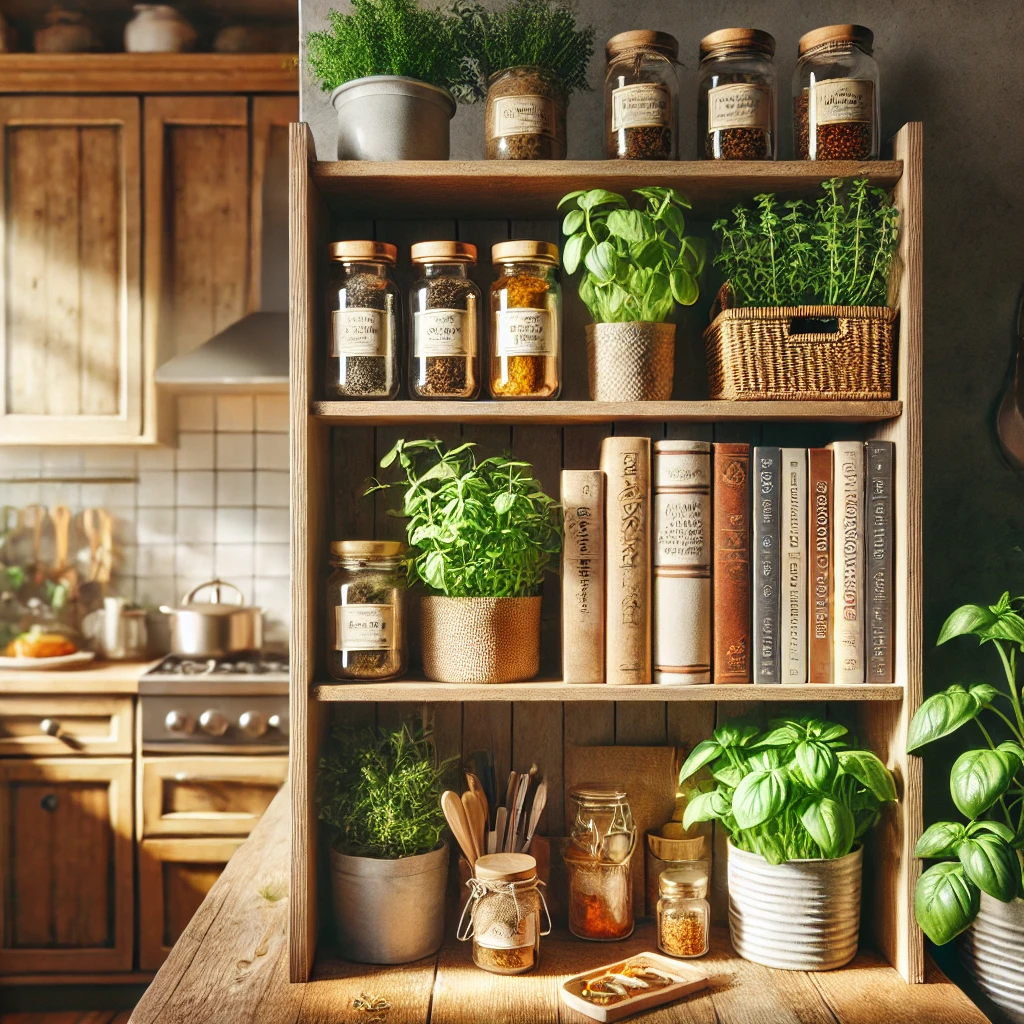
{"x": 66, "y": 866}
{"x": 62, "y": 726}
{"x": 71, "y": 360}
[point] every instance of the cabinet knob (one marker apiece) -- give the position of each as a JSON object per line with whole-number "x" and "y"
{"x": 253, "y": 723}
{"x": 274, "y": 721}
{"x": 50, "y": 726}
{"x": 49, "y": 802}
{"x": 213, "y": 723}
{"x": 180, "y": 721}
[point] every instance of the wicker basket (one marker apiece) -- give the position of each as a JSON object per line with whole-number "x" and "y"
{"x": 760, "y": 353}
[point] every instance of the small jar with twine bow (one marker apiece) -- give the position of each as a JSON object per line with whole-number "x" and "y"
{"x": 504, "y": 910}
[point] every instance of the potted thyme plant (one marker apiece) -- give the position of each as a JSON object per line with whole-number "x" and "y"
{"x": 976, "y": 889}
{"x": 378, "y": 794}
{"x": 796, "y": 801}
{"x": 638, "y": 265}
{"x": 481, "y": 536}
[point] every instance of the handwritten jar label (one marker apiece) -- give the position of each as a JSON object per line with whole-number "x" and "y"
{"x": 640, "y": 106}
{"x": 740, "y": 105}
{"x": 840, "y": 100}
{"x": 524, "y": 115}
{"x": 525, "y": 332}
{"x": 359, "y": 332}
{"x": 365, "y": 627}
{"x": 442, "y": 332}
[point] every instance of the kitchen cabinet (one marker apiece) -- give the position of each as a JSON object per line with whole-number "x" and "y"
{"x": 55, "y": 726}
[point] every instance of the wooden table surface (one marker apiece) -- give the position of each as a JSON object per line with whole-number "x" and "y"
{"x": 231, "y": 965}
{"x": 102, "y": 678}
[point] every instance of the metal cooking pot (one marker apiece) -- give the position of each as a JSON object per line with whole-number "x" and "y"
{"x": 214, "y": 629}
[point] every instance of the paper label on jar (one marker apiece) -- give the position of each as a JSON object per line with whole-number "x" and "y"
{"x": 640, "y": 106}
{"x": 739, "y": 105}
{"x": 524, "y": 115}
{"x": 441, "y": 332}
{"x": 359, "y": 332}
{"x": 525, "y": 332}
{"x": 503, "y": 935}
{"x": 365, "y": 627}
{"x": 842, "y": 100}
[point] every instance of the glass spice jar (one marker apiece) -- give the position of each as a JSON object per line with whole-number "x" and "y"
{"x": 736, "y": 104}
{"x": 362, "y": 321}
{"x": 641, "y": 96}
{"x": 526, "y": 321}
{"x": 835, "y": 95}
{"x": 444, "y": 350}
{"x": 684, "y": 917}
{"x": 524, "y": 117}
{"x": 366, "y": 610}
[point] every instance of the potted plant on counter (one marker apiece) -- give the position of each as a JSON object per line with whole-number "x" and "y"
{"x": 481, "y": 536}
{"x": 796, "y": 801}
{"x": 976, "y": 890}
{"x": 637, "y": 266}
{"x": 379, "y": 794}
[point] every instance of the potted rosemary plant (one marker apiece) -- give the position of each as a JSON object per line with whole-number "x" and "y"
{"x": 796, "y": 801}
{"x": 378, "y": 794}
{"x": 481, "y": 536}
{"x": 638, "y": 265}
{"x": 976, "y": 889}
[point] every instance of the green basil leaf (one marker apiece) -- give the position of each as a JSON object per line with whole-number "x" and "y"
{"x": 817, "y": 763}
{"x": 503, "y": 502}
{"x": 673, "y": 219}
{"x": 727, "y": 735}
{"x": 830, "y": 825}
{"x": 600, "y": 197}
{"x": 571, "y": 196}
{"x": 968, "y": 618}
{"x": 1008, "y": 626}
{"x": 730, "y": 776}
{"x": 572, "y": 252}
{"x": 704, "y": 753}
{"x": 782, "y": 736}
{"x": 832, "y": 732}
{"x": 574, "y": 220}
{"x": 991, "y": 865}
{"x": 983, "y": 693}
{"x": 760, "y": 796}
{"x": 432, "y": 570}
{"x": 685, "y": 289}
{"x": 628, "y": 225}
{"x": 945, "y": 902}
{"x": 940, "y": 839}
{"x": 704, "y": 807}
{"x": 940, "y": 715}
{"x": 867, "y": 768}
{"x": 1013, "y": 749}
{"x": 997, "y": 828}
{"x": 601, "y": 262}
{"x": 647, "y": 254}
{"x": 391, "y": 455}
{"x": 978, "y": 779}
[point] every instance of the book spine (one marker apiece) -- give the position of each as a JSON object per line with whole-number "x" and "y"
{"x": 848, "y": 555}
{"x": 626, "y": 463}
{"x": 583, "y": 552}
{"x": 730, "y": 580}
{"x": 819, "y": 598}
{"x": 682, "y": 562}
{"x": 879, "y": 557}
{"x": 794, "y": 564}
{"x": 767, "y": 568}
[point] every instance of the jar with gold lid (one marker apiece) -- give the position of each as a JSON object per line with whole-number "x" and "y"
{"x": 684, "y": 917}
{"x": 641, "y": 96}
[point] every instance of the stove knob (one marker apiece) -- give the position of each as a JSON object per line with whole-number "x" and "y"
{"x": 181, "y": 722}
{"x": 213, "y": 722}
{"x": 253, "y": 723}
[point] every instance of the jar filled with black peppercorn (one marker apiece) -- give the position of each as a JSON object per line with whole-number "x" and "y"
{"x": 444, "y": 357}
{"x": 641, "y": 95}
{"x": 835, "y": 95}
{"x": 362, "y": 321}
{"x": 736, "y": 96}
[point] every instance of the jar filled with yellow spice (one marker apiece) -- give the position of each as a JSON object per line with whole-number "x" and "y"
{"x": 526, "y": 321}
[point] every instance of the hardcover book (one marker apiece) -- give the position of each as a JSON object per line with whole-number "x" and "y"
{"x": 730, "y": 581}
{"x": 583, "y": 601}
{"x": 848, "y": 561}
{"x": 819, "y": 596}
{"x": 767, "y": 566}
{"x": 878, "y": 576}
{"x": 794, "y": 564}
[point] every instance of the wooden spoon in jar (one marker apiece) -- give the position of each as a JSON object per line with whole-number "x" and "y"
{"x": 455, "y": 815}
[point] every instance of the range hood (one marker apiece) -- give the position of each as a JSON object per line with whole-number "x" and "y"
{"x": 252, "y": 354}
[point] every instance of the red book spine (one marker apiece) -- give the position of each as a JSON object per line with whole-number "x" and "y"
{"x": 731, "y": 564}
{"x": 819, "y": 590}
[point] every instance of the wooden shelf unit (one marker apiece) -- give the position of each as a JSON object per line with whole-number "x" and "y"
{"x": 336, "y": 446}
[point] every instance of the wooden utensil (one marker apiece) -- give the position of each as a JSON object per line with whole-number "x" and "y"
{"x": 477, "y": 789}
{"x": 38, "y": 521}
{"x": 476, "y": 821}
{"x": 455, "y": 815}
{"x": 500, "y": 824}
{"x": 106, "y": 525}
{"x": 540, "y": 798}
{"x": 517, "y": 817}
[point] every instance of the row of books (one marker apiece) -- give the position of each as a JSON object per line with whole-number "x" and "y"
{"x": 691, "y": 562}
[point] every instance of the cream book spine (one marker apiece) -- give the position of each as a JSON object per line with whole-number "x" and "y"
{"x": 583, "y": 598}
{"x": 794, "y": 564}
{"x": 848, "y": 560}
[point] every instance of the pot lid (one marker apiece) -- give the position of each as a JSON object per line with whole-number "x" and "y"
{"x": 216, "y": 606}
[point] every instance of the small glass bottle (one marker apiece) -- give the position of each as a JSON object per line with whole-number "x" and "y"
{"x": 736, "y": 105}
{"x": 524, "y": 117}
{"x": 444, "y": 359}
{"x": 641, "y": 96}
{"x": 684, "y": 917}
{"x": 365, "y": 597}
{"x": 362, "y": 321}
{"x": 835, "y": 95}
{"x": 526, "y": 321}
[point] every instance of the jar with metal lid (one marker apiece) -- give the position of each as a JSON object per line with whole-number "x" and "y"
{"x": 736, "y": 104}
{"x": 835, "y": 95}
{"x": 524, "y": 118}
{"x": 362, "y": 321}
{"x": 641, "y": 96}
{"x": 684, "y": 917}
{"x": 366, "y": 610}
{"x": 507, "y": 913}
{"x": 526, "y": 321}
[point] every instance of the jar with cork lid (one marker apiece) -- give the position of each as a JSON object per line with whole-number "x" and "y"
{"x": 362, "y": 321}
{"x": 526, "y": 321}
{"x": 736, "y": 102}
{"x": 835, "y": 95}
{"x": 444, "y": 347}
{"x": 642, "y": 95}
{"x": 684, "y": 917}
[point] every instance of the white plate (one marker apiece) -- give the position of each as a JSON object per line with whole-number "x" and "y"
{"x": 39, "y": 664}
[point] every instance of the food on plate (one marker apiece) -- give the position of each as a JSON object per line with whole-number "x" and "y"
{"x": 41, "y": 645}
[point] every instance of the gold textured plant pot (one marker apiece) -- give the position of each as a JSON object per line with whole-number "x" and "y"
{"x": 631, "y": 362}
{"x": 480, "y": 639}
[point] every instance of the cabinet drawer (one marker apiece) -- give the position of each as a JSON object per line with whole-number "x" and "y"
{"x": 212, "y": 796}
{"x": 61, "y": 726}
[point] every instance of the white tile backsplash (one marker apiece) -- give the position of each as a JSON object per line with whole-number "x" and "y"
{"x": 272, "y": 451}
{"x": 271, "y": 488}
{"x": 272, "y": 560}
{"x": 156, "y": 489}
{"x": 195, "y": 487}
{"x": 193, "y": 559}
{"x": 235, "y": 413}
{"x": 272, "y": 413}
{"x": 195, "y": 526}
{"x": 236, "y": 487}
{"x": 235, "y": 451}
{"x": 272, "y": 526}
{"x": 233, "y": 561}
{"x": 195, "y": 412}
{"x": 155, "y": 526}
{"x": 234, "y": 525}
{"x": 196, "y": 449}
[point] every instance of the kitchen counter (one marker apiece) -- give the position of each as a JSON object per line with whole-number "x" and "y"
{"x": 231, "y": 964}
{"x": 101, "y": 678}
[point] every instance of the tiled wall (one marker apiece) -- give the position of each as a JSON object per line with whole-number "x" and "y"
{"x": 215, "y": 505}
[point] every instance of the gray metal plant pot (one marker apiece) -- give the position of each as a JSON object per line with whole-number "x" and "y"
{"x": 389, "y": 911}
{"x": 389, "y": 117}
{"x": 992, "y": 950}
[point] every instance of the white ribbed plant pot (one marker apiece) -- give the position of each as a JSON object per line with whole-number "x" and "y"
{"x": 992, "y": 952}
{"x": 800, "y": 916}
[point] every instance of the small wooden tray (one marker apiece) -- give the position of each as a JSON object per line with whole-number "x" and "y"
{"x": 687, "y": 979}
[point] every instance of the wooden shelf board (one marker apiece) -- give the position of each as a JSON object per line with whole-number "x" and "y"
{"x": 566, "y": 412}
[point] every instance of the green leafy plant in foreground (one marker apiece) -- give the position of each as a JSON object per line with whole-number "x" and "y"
{"x": 637, "y": 263}
{"x": 986, "y": 783}
{"x": 475, "y": 529}
{"x": 798, "y": 791}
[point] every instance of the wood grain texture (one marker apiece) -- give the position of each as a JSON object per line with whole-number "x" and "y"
{"x": 87, "y": 725}
{"x": 99, "y": 678}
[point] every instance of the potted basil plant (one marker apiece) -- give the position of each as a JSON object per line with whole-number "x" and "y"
{"x": 481, "y": 536}
{"x": 976, "y": 889}
{"x": 796, "y": 801}
{"x": 638, "y": 265}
